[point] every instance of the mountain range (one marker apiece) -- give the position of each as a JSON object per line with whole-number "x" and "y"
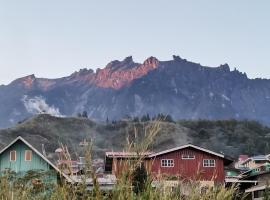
{"x": 180, "y": 88}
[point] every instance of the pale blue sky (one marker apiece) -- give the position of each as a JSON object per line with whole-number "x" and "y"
{"x": 53, "y": 38}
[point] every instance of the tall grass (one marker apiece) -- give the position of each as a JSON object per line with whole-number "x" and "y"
{"x": 14, "y": 188}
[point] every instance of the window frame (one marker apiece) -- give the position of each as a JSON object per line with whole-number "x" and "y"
{"x": 188, "y": 157}
{"x": 10, "y": 153}
{"x": 25, "y": 155}
{"x": 167, "y": 163}
{"x": 207, "y": 163}
{"x": 257, "y": 169}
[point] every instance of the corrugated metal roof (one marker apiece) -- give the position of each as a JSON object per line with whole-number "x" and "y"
{"x": 187, "y": 146}
{"x": 152, "y": 154}
{"x": 126, "y": 154}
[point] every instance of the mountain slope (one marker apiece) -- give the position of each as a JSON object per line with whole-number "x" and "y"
{"x": 177, "y": 87}
{"x": 225, "y": 136}
{"x": 52, "y": 131}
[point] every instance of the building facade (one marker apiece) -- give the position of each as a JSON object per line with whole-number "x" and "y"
{"x": 21, "y": 157}
{"x": 187, "y": 162}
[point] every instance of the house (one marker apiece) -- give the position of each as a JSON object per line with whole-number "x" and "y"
{"x": 69, "y": 167}
{"x": 239, "y": 163}
{"x": 253, "y": 182}
{"x": 189, "y": 162}
{"x": 184, "y": 162}
{"x": 251, "y": 169}
{"x": 21, "y": 157}
{"x": 115, "y": 161}
{"x": 261, "y": 178}
{"x": 255, "y": 161}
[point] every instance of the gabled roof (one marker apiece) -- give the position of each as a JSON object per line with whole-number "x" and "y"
{"x": 256, "y": 188}
{"x": 187, "y": 146}
{"x": 124, "y": 154}
{"x": 249, "y": 173}
{"x": 242, "y": 158}
{"x": 256, "y": 158}
{"x": 19, "y": 138}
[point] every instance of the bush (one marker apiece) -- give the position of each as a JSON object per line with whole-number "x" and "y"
{"x": 139, "y": 179}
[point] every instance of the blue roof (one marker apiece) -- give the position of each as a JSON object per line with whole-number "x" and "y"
{"x": 259, "y": 157}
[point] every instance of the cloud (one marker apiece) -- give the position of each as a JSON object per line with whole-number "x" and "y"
{"x": 38, "y": 105}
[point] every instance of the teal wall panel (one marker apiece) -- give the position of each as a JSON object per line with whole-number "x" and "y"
{"x": 21, "y": 166}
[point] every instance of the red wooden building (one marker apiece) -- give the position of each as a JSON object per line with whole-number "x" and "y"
{"x": 185, "y": 162}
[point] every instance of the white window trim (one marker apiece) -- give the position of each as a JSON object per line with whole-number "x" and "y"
{"x": 209, "y": 163}
{"x": 257, "y": 170}
{"x": 10, "y": 156}
{"x": 25, "y": 152}
{"x": 188, "y": 158}
{"x": 167, "y": 163}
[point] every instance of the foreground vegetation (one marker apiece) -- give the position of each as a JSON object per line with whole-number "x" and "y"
{"x": 134, "y": 183}
{"x": 124, "y": 190}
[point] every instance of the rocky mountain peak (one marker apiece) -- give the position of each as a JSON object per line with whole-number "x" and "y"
{"x": 26, "y": 81}
{"x": 82, "y": 72}
{"x": 177, "y": 58}
{"x": 128, "y": 60}
{"x": 151, "y": 61}
{"x": 127, "y": 63}
{"x": 178, "y": 87}
{"x": 225, "y": 67}
{"x": 118, "y": 74}
{"x": 29, "y": 80}
{"x": 30, "y": 77}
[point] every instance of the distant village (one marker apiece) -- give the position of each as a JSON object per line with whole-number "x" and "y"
{"x": 172, "y": 166}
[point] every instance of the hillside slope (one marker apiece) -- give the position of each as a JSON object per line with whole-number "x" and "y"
{"x": 230, "y": 136}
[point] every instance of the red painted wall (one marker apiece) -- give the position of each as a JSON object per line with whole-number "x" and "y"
{"x": 189, "y": 169}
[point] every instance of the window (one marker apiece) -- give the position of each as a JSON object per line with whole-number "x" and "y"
{"x": 188, "y": 157}
{"x": 28, "y": 155}
{"x": 13, "y": 156}
{"x": 259, "y": 194}
{"x": 167, "y": 163}
{"x": 257, "y": 170}
{"x": 209, "y": 163}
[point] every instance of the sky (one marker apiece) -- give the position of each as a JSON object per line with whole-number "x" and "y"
{"x": 54, "y": 38}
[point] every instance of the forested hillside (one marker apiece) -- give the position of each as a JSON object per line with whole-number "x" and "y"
{"x": 228, "y": 136}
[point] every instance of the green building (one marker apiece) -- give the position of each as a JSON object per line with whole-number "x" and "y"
{"x": 21, "y": 157}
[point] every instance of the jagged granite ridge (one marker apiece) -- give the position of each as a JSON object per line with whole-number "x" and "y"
{"x": 183, "y": 89}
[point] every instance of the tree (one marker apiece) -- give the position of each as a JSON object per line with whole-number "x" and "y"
{"x": 139, "y": 178}
{"x": 145, "y": 118}
{"x": 169, "y": 118}
{"x": 136, "y": 119}
{"x": 84, "y": 114}
{"x": 161, "y": 117}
